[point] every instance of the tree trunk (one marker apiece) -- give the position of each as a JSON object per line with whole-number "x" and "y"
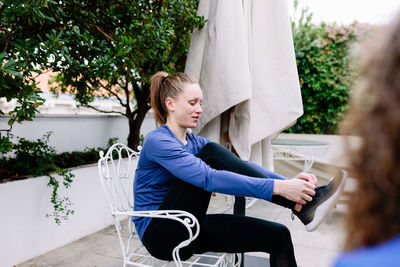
{"x": 135, "y": 122}
{"x": 134, "y": 133}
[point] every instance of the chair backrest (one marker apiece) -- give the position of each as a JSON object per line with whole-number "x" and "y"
{"x": 116, "y": 171}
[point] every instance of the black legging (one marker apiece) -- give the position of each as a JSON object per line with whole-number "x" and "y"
{"x": 218, "y": 232}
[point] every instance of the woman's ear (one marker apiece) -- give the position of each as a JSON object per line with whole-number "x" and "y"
{"x": 170, "y": 104}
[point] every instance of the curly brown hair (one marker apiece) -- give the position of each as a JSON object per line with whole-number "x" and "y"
{"x": 374, "y": 114}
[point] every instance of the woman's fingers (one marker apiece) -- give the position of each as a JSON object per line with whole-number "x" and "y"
{"x": 309, "y": 189}
{"x": 298, "y": 206}
{"x": 309, "y": 177}
{"x": 301, "y": 201}
{"x": 307, "y": 198}
{"x": 297, "y": 190}
{"x": 314, "y": 178}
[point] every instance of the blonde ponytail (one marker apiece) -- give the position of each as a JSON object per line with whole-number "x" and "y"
{"x": 160, "y": 115}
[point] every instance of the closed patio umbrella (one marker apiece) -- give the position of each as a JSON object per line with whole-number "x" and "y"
{"x": 244, "y": 60}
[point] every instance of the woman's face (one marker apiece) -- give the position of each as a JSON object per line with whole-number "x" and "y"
{"x": 185, "y": 110}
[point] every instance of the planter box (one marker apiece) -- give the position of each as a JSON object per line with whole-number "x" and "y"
{"x": 26, "y": 233}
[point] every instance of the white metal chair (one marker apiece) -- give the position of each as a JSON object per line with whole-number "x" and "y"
{"x": 116, "y": 171}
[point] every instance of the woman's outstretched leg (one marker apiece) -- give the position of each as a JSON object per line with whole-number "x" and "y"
{"x": 218, "y": 157}
{"x": 311, "y": 214}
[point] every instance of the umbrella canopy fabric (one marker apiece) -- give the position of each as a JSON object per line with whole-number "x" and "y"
{"x": 244, "y": 58}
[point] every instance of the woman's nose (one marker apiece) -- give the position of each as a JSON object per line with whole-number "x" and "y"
{"x": 199, "y": 109}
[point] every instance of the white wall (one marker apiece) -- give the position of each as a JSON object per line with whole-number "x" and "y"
{"x": 73, "y": 127}
{"x": 25, "y": 233}
{"x": 76, "y": 132}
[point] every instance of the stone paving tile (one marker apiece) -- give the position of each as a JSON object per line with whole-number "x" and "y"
{"x": 94, "y": 250}
{"x": 318, "y": 248}
{"x": 328, "y": 236}
{"x": 314, "y": 257}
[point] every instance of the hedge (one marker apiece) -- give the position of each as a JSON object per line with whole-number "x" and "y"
{"x": 325, "y": 72}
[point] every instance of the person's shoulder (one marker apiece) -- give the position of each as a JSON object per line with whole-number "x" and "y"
{"x": 159, "y": 139}
{"x": 378, "y": 255}
{"x": 158, "y": 134}
{"x": 197, "y": 139}
{"x": 157, "y": 131}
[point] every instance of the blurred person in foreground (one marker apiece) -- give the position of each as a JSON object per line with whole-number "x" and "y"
{"x": 373, "y": 220}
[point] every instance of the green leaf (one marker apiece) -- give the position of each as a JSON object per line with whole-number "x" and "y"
{"x": 13, "y": 72}
{"x": 11, "y": 121}
{"x": 9, "y": 63}
{"x": 3, "y": 55}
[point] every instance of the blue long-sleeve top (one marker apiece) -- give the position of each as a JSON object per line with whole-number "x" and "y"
{"x": 164, "y": 158}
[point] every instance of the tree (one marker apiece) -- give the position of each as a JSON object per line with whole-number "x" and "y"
{"x": 110, "y": 49}
{"x": 107, "y": 49}
{"x": 23, "y": 26}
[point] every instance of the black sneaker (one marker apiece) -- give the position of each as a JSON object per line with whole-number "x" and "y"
{"x": 312, "y": 213}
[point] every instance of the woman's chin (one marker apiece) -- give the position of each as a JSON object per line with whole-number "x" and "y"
{"x": 192, "y": 125}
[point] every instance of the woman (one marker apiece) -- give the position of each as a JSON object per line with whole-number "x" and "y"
{"x": 179, "y": 170}
{"x": 373, "y": 221}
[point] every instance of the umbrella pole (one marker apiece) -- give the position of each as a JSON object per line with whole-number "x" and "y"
{"x": 239, "y": 207}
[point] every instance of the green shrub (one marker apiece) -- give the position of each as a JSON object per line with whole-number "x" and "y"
{"x": 324, "y": 72}
{"x": 77, "y": 158}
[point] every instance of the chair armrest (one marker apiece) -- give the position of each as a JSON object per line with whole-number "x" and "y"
{"x": 184, "y": 217}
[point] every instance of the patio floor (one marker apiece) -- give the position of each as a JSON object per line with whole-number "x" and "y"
{"x": 318, "y": 248}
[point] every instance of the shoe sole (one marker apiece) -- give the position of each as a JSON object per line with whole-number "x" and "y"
{"x": 325, "y": 207}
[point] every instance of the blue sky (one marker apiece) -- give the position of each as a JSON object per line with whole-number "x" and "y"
{"x": 346, "y": 11}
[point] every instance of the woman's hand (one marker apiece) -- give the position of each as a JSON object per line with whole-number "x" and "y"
{"x": 309, "y": 177}
{"x": 297, "y": 190}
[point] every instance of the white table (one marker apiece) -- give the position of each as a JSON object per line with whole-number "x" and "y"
{"x": 297, "y": 149}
